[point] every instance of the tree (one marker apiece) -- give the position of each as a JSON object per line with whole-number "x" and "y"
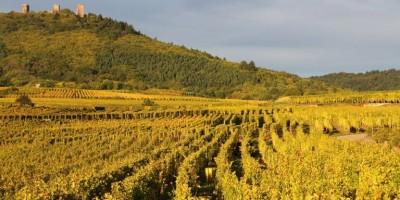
{"x": 24, "y": 100}
{"x": 148, "y": 102}
{"x": 251, "y": 66}
{"x": 243, "y": 65}
{"x": 3, "y": 49}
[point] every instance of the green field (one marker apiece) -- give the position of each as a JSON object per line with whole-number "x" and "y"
{"x": 191, "y": 147}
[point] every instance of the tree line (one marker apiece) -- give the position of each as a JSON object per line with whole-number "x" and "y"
{"x": 374, "y": 80}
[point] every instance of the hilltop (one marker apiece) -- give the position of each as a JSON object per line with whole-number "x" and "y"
{"x": 370, "y": 81}
{"x": 94, "y": 52}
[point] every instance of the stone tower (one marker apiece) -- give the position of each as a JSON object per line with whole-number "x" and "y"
{"x": 25, "y": 8}
{"x": 80, "y": 10}
{"x": 56, "y": 8}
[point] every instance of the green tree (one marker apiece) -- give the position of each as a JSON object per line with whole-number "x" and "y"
{"x": 243, "y": 65}
{"x": 3, "y": 49}
{"x": 24, "y": 100}
{"x": 148, "y": 102}
{"x": 252, "y": 66}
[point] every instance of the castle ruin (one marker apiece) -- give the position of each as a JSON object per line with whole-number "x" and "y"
{"x": 25, "y": 8}
{"x": 56, "y": 8}
{"x": 80, "y": 10}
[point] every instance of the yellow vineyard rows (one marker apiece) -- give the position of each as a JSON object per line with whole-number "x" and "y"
{"x": 100, "y": 94}
{"x": 349, "y": 97}
{"x": 264, "y": 153}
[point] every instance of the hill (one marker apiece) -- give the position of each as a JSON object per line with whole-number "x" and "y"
{"x": 101, "y": 53}
{"x": 370, "y": 81}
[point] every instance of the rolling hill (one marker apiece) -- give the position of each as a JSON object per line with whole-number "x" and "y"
{"x": 370, "y": 81}
{"x": 94, "y": 52}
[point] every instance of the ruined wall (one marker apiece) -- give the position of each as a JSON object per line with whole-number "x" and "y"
{"x": 80, "y": 10}
{"x": 25, "y": 8}
{"x": 56, "y": 8}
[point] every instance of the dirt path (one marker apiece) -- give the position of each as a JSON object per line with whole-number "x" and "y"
{"x": 357, "y": 138}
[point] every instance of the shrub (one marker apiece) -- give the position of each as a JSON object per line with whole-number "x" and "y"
{"x": 148, "y": 102}
{"x": 24, "y": 100}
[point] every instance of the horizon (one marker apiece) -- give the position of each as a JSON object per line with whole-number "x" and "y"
{"x": 308, "y": 48}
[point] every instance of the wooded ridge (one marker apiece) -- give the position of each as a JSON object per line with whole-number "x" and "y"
{"x": 94, "y": 52}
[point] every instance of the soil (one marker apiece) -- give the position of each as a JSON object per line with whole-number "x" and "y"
{"x": 357, "y": 138}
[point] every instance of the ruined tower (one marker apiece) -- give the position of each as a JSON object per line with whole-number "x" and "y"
{"x": 25, "y": 8}
{"x": 56, "y": 8}
{"x": 80, "y": 10}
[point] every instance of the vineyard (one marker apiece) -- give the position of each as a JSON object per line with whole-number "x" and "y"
{"x": 349, "y": 97}
{"x": 95, "y": 94}
{"x": 253, "y": 152}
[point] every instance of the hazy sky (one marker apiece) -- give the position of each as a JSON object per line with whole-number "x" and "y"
{"x": 305, "y": 37}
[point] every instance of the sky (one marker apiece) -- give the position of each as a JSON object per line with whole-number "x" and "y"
{"x": 304, "y": 37}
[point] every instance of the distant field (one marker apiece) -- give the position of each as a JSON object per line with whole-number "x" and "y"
{"x": 347, "y": 97}
{"x": 109, "y": 103}
{"x": 124, "y": 104}
{"x": 93, "y": 94}
{"x": 77, "y": 98}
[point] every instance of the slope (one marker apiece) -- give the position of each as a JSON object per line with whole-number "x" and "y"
{"x": 100, "y": 53}
{"x": 370, "y": 81}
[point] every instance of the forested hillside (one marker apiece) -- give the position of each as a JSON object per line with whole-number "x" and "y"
{"x": 100, "y": 53}
{"x": 370, "y": 81}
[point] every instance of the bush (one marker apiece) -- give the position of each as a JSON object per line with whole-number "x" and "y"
{"x": 24, "y": 100}
{"x": 148, "y": 102}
